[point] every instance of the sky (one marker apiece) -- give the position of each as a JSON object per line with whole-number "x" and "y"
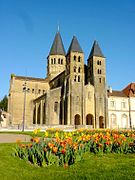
{"x": 28, "y": 27}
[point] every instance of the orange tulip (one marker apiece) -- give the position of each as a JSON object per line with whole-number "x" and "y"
{"x": 36, "y": 139}
{"x": 50, "y": 145}
{"x": 22, "y": 145}
{"x": 30, "y": 145}
{"x": 54, "y": 149}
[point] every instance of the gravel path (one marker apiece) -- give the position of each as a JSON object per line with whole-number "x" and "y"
{"x": 10, "y": 138}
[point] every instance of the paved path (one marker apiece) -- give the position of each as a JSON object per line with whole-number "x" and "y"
{"x": 10, "y": 138}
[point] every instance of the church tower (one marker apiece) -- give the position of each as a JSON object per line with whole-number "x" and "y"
{"x": 97, "y": 77}
{"x": 74, "y": 83}
{"x": 56, "y": 58}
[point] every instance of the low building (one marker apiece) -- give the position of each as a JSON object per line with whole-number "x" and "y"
{"x": 121, "y": 107}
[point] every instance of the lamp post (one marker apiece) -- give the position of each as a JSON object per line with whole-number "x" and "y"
{"x": 24, "y": 104}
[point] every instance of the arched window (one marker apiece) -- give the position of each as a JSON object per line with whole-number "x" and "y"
{"x": 51, "y": 61}
{"x": 79, "y": 69}
{"x": 54, "y": 61}
{"x": 24, "y": 89}
{"x": 77, "y": 119}
{"x": 59, "y": 61}
{"x": 28, "y": 90}
{"x": 34, "y": 116}
{"x": 78, "y": 78}
{"x": 74, "y": 58}
{"x": 55, "y": 106}
{"x": 98, "y": 62}
{"x": 75, "y": 78}
{"x": 100, "y": 72}
{"x": 79, "y": 59}
{"x": 44, "y": 118}
{"x": 39, "y": 91}
{"x": 100, "y": 80}
{"x": 38, "y": 114}
{"x": 89, "y": 119}
{"x": 74, "y": 68}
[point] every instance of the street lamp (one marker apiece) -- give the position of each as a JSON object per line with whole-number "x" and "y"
{"x": 24, "y": 104}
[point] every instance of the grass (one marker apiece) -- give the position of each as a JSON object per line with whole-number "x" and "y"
{"x": 107, "y": 166}
{"x": 17, "y": 132}
{"x": 40, "y": 134}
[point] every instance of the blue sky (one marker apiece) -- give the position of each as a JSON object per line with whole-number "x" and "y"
{"x": 28, "y": 27}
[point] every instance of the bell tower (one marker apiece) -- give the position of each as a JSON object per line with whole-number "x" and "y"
{"x": 97, "y": 77}
{"x": 75, "y": 83}
{"x": 56, "y": 58}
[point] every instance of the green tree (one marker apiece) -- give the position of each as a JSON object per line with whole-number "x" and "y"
{"x": 4, "y": 103}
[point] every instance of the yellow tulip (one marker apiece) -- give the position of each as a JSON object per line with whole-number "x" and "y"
{"x": 46, "y": 134}
{"x": 56, "y": 134}
{"x": 35, "y": 131}
{"x": 38, "y": 130}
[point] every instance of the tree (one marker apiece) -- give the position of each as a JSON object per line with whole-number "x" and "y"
{"x": 4, "y": 103}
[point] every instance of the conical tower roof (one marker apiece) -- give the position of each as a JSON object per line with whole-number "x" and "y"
{"x": 57, "y": 46}
{"x": 96, "y": 51}
{"x": 74, "y": 46}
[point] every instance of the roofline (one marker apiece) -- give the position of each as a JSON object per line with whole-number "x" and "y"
{"x": 31, "y": 78}
{"x": 39, "y": 97}
{"x": 129, "y": 85}
{"x": 57, "y": 76}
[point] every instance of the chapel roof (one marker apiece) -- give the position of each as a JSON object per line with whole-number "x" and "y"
{"x": 75, "y": 46}
{"x": 57, "y": 46}
{"x": 96, "y": 50}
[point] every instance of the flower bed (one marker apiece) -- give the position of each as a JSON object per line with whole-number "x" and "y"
{"x": 66, "y": 148}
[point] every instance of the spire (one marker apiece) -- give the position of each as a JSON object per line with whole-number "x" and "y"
{"x": 74, "y": 46}
{"x": 57, "y": 46}
{"x": 96, "y": 51}
{"x": 58, "y": 28}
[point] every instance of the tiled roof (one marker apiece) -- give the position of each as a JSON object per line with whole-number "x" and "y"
{"x": 57, "y": 46}
{"x": 96, "y": 51}
{"x": 74, "y": 46}
{"x": 117, "y": 93}
{"x": 130, "y": 90}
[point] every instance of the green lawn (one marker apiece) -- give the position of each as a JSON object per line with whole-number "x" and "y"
{"x": 20, "y": 132}
{"x": 108, "y": 166}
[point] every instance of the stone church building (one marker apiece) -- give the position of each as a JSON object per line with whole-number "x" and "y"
{"x": 73, "y": 93}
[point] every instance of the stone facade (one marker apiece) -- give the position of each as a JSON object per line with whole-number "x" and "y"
{"x": 73, "y": 94}
{"x": 121, "y": 107}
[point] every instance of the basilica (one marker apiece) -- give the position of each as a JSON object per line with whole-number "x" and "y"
{"x": 72, "y": 94}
